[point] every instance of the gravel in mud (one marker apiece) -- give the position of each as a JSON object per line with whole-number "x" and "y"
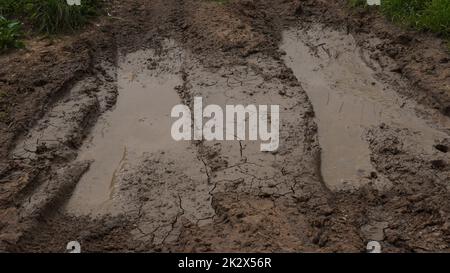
{"x": 87, "y": 153}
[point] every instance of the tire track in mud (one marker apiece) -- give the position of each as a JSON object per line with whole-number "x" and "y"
{"x": 53, "y": 141}
{"x": 350, "y": 97}
{"x": 363, "y": 121}
{"x": 44, "y": 190}
{"x": 156, "y": 176}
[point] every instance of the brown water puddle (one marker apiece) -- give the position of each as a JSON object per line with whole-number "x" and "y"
{"x": 140, "y": 123}
{"x": 348, "y": 98}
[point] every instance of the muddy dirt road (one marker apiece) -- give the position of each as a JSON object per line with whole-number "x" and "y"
{"x": 87, "y": 153}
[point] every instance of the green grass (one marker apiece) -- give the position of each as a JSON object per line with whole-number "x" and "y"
{"x": 53, "y": 16}
{"x": 428, "y": 15}
{"x": 50, "y": 16}
{"x": 424, "y": 15}
{"x": 9, "y": 7}
{"x": 10, "y": 34}
{"x": 43, "y": 16}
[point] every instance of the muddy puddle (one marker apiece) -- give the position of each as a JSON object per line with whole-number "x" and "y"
{"x": 348, "y": 98}
{"x": 139, "y": 124}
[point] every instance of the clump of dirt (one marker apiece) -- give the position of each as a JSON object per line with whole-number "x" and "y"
{"x": 220, "y": 29}
{"x": 234, "y": 30}
{"x": 419, "y": 197}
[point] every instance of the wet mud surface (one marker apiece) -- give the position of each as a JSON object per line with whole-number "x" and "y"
{"x": 349, "y": 96}
{"x": 362, "y": 155}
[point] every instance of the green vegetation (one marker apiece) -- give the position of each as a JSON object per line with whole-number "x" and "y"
{"x": 50, "y": 16}
{"x": 431, "y": 15}
{"x": 428, "y": 15}
{"x": 10, "y": 33}
{"x": 43, "y": 16}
